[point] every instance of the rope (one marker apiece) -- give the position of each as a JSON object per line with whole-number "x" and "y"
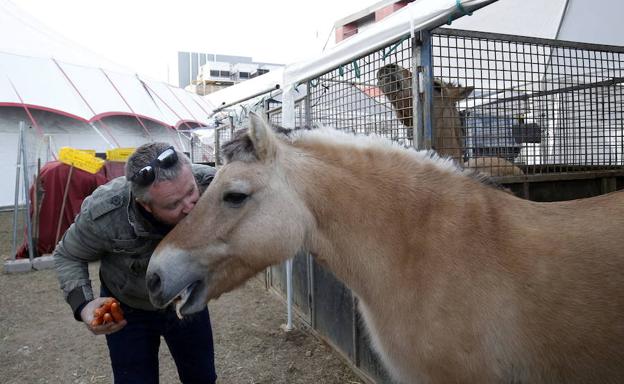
{"x": 32, "y": 118}
{"x": 461, "y": 9}
{"x": 127, "y": 104}
{"x": 181, "y": 103}
{"x": 356, "y": 69}
{"x": 85, "y": 101}
{"x": 167, "y": 105}
{"x": 395, "y": 46}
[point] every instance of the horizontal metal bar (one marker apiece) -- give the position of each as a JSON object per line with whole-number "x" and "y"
{"x": 532, "y": 95}
{"x": 227, "y": 105}
{"x": 560, "y": 176}
{"x": 527, "y": 39}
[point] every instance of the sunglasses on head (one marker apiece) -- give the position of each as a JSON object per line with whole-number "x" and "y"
{"x": 147, "y": 174}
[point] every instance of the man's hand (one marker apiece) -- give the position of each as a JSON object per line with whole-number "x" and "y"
{"x": 87, "y": 315}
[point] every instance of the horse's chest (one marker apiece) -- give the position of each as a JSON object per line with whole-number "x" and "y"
{"x": 392, "y": 349}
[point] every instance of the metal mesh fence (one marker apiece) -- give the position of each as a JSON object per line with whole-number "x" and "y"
{"x": 505, "y": 105}
{"x": 350, "y": 97}
{"x": 202, "y": 149}
{"x": 275, "y": 116}
{"x": 223, "y": 134}
{"x": 542, "y": 105}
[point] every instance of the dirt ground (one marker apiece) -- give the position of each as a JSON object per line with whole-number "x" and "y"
{"x": 40, "y": 342}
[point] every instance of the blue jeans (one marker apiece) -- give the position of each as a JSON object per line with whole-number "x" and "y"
{"x": 134, "y": 349}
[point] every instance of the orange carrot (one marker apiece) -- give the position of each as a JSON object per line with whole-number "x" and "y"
{"x": 116, "y": 312}
{"x": 106, "y": 307}
{"x": 97, "y": 321}
{"x": 99, "y": 312}
{"x": 108, "y": 318}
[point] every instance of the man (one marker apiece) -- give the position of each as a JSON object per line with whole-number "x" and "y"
{"x": 120, "y": 224}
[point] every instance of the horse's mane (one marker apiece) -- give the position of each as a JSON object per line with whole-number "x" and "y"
{"x": 241, "y": 148}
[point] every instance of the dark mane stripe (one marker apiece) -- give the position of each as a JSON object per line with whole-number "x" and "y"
{"x": 239, "y": 148}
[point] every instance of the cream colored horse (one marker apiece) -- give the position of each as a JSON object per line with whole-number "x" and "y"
{"x": 457, "y": 282}
{"x": 395, "y": 83}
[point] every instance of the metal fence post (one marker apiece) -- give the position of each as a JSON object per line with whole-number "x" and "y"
{"x": 217, "y": 145}
{"x": 307, "y": 106}
{"x": 18, "y": 173}
{"x": 289, "y": 121}
{"x": 31, "y": 251}
{"x": 417, "y": 105}
{"x": 426, "y": 90}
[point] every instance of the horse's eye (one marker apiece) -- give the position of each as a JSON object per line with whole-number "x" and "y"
{"x": 235, "y": 198}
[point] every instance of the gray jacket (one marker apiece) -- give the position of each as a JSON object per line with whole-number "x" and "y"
{"x": 110, "y": 228}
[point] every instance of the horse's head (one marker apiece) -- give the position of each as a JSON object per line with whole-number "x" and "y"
{"x": 448, "y": 130}
{"x": 396, "y": 84}
{"x": 392, "y": 78}
{"x": 248, "y": 218}
{"x": 449, "y": 93}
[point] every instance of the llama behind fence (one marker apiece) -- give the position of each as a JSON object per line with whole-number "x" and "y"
{"x": 396, "y": 84}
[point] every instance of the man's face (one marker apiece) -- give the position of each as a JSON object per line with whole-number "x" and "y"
{"x": 172, "y": 200}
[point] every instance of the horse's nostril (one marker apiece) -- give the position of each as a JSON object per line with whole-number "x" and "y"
{"x": 153, "y": 283}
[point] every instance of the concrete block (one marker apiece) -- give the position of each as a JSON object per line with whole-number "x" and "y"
{"x": 17, "y": 266}
{"x": 43, "y": 262}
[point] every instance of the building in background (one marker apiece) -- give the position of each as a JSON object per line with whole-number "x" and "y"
{"x": 204, "y": 73}
{"x": 352, "y": 24}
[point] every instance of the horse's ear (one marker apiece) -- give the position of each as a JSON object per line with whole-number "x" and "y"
{"x": 457, "y": 92}
{"x": 262, "y": 137}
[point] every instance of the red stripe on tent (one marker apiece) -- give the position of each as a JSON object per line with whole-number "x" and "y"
{"x": 108, "y": 130}
{"x": 186, "y": 122}
{"x": 30, "y": 116}
{"x": 127, "y": 104}
{"x": 42, "y": 108}
{"x": 94, "y": 119}
{"x": 136, "y": 115}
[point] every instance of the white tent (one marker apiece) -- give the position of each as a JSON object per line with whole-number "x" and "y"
{"x": 73, "y": 97}
{"x": 42, "y": 69}
{"x": 596, "y": 21}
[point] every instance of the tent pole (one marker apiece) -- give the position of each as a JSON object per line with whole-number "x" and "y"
{"x": 65, "y": 193}
{"x": 31, "y": 251}
{"x": 564, "y": 10}
{"x": 102, "y": 135}
{"x": 36, "y": 205}
{"x": 18, "y": 172}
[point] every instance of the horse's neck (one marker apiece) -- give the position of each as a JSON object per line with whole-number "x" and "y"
{"x": 374, "y": 212}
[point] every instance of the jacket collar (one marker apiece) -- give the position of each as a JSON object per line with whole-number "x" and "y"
{"x": 143, "y": 223}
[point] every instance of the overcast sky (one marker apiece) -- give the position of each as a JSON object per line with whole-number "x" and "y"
{"x": 145, "y": 35}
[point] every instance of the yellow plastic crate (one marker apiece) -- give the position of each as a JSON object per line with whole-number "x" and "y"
{"x": 80, "y": 159}
{"x": 119, "y": 154}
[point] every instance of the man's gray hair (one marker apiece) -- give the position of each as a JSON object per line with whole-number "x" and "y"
{"x": 143, "y": 156}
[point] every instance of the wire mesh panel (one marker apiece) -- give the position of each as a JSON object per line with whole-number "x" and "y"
{"x": 275, "y": 115}
{"x": 361, "y": 96}
{"x": 530, "y": 105}
{"x": 223, "y": 134}
{"x": 202, "y": 149}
